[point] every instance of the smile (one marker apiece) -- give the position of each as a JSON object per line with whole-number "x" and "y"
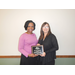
{"x": 30, "y": 29}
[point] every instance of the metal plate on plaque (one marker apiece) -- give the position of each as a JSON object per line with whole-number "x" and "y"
{"x": 37, "y": 49}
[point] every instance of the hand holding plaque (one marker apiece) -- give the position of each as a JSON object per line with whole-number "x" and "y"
{"x": 37, "y": 49}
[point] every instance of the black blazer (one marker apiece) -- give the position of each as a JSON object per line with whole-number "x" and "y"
{"x": 50, "y": 46}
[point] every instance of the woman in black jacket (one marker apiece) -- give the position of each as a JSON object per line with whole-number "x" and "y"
{"x": 49, "y": 41}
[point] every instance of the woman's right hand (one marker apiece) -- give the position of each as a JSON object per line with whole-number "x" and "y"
{"x": 38, "y": 44}
{"x": 32, "y": 55}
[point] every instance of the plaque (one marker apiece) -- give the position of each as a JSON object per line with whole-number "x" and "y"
{"x": 37, "y": 49}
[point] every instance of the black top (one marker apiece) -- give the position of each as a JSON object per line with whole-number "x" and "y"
{"x": 50, "y": 46}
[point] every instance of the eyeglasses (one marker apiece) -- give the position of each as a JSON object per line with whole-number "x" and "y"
{"x": 46, "y": 27}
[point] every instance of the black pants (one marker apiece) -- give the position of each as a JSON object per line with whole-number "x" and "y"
{"x": 42, "y": 61}
{"x": 48, "y": 63}
{"x": 28, "y": 60}
{"x": 33, "y": 61}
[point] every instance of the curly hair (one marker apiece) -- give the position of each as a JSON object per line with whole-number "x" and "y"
{"x": 27, "y": 23}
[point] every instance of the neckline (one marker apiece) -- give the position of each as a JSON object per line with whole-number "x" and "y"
{"x": 29, "y": 34}
{"x": 47, "y": 36}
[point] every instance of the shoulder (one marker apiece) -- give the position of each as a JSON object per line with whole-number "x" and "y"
{"x": 34, "y": 34}
{"x": 52, "y": 35}
{"x": 22, "y": 35}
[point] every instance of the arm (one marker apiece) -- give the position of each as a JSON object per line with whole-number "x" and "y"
{"x": 54, "y": 44}
{"x": 39, "y": 42}
{"x": 21, "y": 46}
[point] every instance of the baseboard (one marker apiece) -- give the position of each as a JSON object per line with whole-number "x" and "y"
{"x": 57, "y": 56}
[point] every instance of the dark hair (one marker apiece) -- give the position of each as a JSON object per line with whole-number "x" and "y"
{"x": 27, "y": 23}
{"x": 42, "y": 33}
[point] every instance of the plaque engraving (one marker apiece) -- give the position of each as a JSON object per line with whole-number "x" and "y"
{"x": 37, "y": 49}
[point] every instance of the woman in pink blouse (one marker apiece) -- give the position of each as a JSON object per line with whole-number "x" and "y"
{"x": 27, "y": 40}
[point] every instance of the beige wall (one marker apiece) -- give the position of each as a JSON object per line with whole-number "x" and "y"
{"x": 62, "y": 23}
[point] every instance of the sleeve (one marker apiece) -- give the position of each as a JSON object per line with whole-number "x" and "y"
{"x": 21, "y": 46}
{"x": 54, "y": 45}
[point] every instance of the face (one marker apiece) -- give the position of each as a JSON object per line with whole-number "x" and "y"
{"x": 45, "y": 28}
{"x": 30, "y": 27}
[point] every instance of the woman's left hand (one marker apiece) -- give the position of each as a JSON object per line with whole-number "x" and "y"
{"x": 43, "y": 55}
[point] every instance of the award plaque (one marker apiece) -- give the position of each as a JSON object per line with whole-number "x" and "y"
{"x": 37, "y": 49}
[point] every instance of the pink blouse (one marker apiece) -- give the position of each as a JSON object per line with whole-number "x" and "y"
{"x": 25, "y": 43}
